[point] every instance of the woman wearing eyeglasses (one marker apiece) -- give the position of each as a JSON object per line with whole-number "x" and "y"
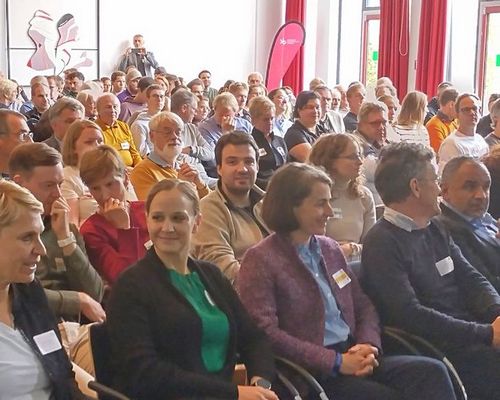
{"x": 353, "y": 207}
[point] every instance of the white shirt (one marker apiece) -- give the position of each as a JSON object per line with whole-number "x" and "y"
{"x": 22, "y": 376}
{"x": 457, "y": 144}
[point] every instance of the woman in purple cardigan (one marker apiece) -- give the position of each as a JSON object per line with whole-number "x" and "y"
{"x": 297, "y": 286}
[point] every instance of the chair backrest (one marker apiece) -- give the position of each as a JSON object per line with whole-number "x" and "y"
{"x": 101, "y": 351}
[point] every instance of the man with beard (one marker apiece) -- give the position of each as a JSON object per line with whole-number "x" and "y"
{"x": 166, "y": 160}
{"x": 231, "y": 220}
{"x": 465, "y": 188}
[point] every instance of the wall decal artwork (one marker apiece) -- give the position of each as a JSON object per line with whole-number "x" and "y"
{"x": 54, "y": 42}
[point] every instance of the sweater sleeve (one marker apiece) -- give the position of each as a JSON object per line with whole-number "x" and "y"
{"x": 149, "y": 375}
{"x": 256, "y": 288}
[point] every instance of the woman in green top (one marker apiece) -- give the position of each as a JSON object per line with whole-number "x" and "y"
{"x": 176, "y": 324}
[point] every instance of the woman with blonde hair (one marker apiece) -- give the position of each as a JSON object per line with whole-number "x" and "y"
{"x": 341, "y": 157}
{"x": 410, "y": 121}
{"x": 82, "y": 136}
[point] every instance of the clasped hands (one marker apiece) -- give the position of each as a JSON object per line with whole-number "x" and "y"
{"x": 359, "y": 360}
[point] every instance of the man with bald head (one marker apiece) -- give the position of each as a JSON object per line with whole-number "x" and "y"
{"x": 465, "y": 189}
{"x": 116, "y": 133}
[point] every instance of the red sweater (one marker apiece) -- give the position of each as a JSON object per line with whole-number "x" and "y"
{"x": 112, "y": 250}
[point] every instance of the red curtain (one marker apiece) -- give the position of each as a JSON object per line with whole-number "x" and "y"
{"x": 394, "y": 43}
{"x": 294, "y": 77}
{"x": 431, "y": 46}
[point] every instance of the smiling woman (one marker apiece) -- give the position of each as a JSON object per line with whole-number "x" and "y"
{"x": 176, "y": 324}
{"x": 33, "y": 363}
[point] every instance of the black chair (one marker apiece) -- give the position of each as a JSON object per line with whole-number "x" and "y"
{"x": 398, "y": 341}
{"x": 101, "y": 352}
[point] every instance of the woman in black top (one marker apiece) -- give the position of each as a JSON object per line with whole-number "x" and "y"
{"x": 303, "y": 133}
{"x": 176, "y": 324}
{"x": 272, "y": 148}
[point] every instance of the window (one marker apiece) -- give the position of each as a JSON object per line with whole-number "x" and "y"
{"x": 369, "y": 47}
{"x": 488, "y": 60}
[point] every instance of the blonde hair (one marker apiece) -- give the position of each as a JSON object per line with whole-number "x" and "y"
{"x": 70, "y": 158}
{"x": 7, "y": 86}
{"x": 225, "y": 100}
{"x": 259, "y": 105}
{"x": 413, "y": 109}
{"x": 14, "y": 201}
{"x": 99, "y": 163}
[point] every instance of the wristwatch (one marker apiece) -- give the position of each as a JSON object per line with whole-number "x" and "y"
{"x": 263, "y": 383}
{"x": 65, "y": 242}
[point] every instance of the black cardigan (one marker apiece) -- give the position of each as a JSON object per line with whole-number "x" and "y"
{"x": 156, "y": 335}
{"x": 32, "y": 316}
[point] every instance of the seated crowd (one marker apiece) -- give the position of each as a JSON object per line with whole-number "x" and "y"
{"x": 213, "y": 227}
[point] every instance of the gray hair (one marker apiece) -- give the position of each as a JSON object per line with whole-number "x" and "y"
{"x": 4, "y": 115}
{"x": 370, "y": 106}
{"x": 65, "y": 103}
{"x": 399, "y": 163}
{"x": 452, "y": 166}
{"x": 165, "y": 116}
{"x": 259, "y": 105}
{"x": 180, "y": 98}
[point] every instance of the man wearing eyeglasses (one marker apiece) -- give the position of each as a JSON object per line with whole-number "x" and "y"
{"x": 13, "y": 131}
{"x": 464, "y": 141}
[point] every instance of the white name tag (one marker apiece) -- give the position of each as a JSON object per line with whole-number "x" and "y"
{"x": 148, "y": 244}
{"x": 337, "y": 213}
{"x": 341, "y": 278}
{"x": 125, "y": 145}
{"x": 47, "y": 342}
{"x": 445, "y": 266}
{"x": 262, "y": 152}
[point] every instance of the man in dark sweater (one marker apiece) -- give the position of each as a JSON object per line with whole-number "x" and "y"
{"x": 419, "y": 279}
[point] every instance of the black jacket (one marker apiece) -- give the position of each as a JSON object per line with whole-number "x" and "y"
{"x": 156, "y": 335}
{"x": 479, "y": 248}
{"x": 32, "y": 317}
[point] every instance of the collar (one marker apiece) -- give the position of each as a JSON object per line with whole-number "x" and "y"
{"x": 402, "y": 221}
{"x": 255, "y": 194}
{"x": 156, "y": 158}
{"x": 443, "y": 117}
{"x": 311, "y": 247}
{"x": 466, "y": 217}
{"x": 271, "y": 135}
{"x": 477, "y": 222}
{"x": 104, "y": 125}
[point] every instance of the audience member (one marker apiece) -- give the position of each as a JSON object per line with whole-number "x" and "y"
{"x": 298, "y": 288}
{"x": 13, "y": 132}
{"x": 355, "y": 96}
{"x": 138, "y": 57}
{"x": 255, "y": 91}
{"x": 71, "y": 283}
{"x": 106, "y": 84}
{"x": 208, "y": 91}
{"x": 464, "y": 141}
{"x": 136, "y": 103}
{"x": 61, "y": 115}
{"x": 444, "y": 122}
{"x": 240, "y": 92}
{"x": 82, "y": 136}
{"x": 56, "y": 84}
{"x": 304, "y": 131}
{"x": 493, "y": 139}
{"x": 372, "y": 119}
{"x": 484, "y": 126}
{"x": 492, "y": 162}
{"x": 132, "y": 82}
{"x": 88, "y": 100}
{"x": 29, "y": 366}
{"x": 418, "y": 278}
{"x": 315, "y": 82}
{"x": 118, "y": 82}
{"x": 255, "y": 78}
{"x": 73, "y": 83}
{"x": 155, "y": 101}
{"x": 8, "y": 94}
{"x": 40, "y": 102}
{"x": 222, "y": 122}
{"x": 202, "y": 111}
{"x": 116, "y": 235}
{"x": 272, "y": 148}
{"x": 352, "y": 203}
{"x": 465, "y": 187}
{"x": 196, "y": 87}
{"x": 176, "y": 325}
{"x": 330, "y": 120}
{"x": 392, "y": 104}
{"x": 410, "y": 121}
{"x": 281, "y": 122}
{"x": 231, "y": 213}
{"x": 165, "y": 160}
{"x": 433, "y": 106}
{"x": 116, "y": 133}
{"x": 344, "y": 104}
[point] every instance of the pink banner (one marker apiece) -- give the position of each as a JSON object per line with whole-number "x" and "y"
{"x": 287, "y": 42}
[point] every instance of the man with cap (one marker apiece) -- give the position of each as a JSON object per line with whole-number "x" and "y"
{"x": 132, "y": 81}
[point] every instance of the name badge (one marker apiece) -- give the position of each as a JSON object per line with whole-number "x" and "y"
{"x": 60, "y": 266}
{"x": 337, "y": 213}
{"x": 445, "y": 266}
{"x": 341, "y": 278}
{"x": 125, "y": 145}
{"x": 47, "y": 342}
{"x": 148, "y": 244}
{"x": 262, "y": 152}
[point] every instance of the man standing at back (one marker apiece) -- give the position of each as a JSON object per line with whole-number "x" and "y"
{"x": 418, "y": 278}
{"x": 138, "y": 57}
{"x": 209, "y": 92}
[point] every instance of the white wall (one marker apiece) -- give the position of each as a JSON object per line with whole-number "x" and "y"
{"x": 350, "y": 47}
{"x": 230, "y": 38}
